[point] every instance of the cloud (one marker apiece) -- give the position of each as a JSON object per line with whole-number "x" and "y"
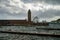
{"x": 54, "y": 2}
{"x": 17, "y": 9}
{"x": 9, "y": 9}
{"x": 47, "y": 14}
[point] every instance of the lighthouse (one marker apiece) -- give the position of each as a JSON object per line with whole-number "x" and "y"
{"x": 29, "y": 16}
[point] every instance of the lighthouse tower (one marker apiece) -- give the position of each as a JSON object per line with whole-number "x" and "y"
{"x": 29, "y": 16}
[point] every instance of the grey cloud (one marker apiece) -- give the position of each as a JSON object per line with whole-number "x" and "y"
{"x": 5, "y": 12}
{"x": 54, "y": 2}
{"x": 47, "y": 14}
{"x": 53, "y": 12}
{"x": 4, "y": 1}
{"x": 27, "y": 1}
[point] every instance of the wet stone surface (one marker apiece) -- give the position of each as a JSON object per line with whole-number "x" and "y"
{"x": 6, "y": 36}
{"x": 26, "y": 37}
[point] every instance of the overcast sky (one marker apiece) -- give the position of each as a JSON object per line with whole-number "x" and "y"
{"x": 17, "y": 9}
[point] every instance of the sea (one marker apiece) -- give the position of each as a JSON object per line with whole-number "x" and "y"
{"x": 6, "y": 36}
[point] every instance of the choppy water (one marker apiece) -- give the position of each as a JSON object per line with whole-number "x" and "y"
{"x": 4, "y": 36}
